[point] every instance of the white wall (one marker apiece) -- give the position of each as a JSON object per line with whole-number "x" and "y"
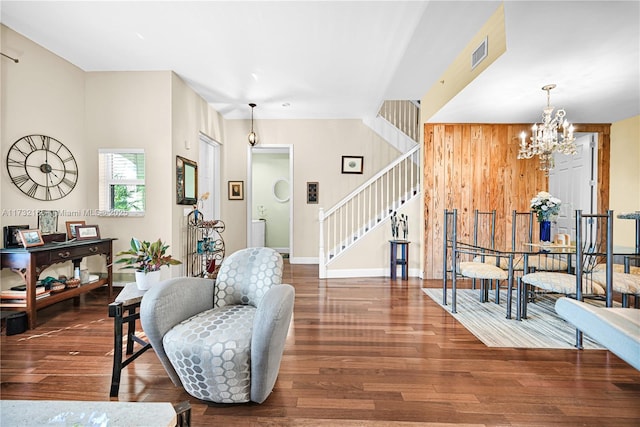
{"x": 42, "y": 94}
{"x": 133, "y": 110}
{"x": 624, "y": 185}
{"x": 45, "y": 94}
{"x": 319, "y": 147}
{"x": 155, "y": 111}
{"x": 374, "y": 260}
{"x": 190, "y": 115}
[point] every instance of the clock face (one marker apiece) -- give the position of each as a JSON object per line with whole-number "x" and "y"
{"x": 42, "y": 167}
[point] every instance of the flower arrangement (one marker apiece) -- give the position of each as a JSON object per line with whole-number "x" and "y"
{"x": 197, "y": 207}
{"x": 545, "y": 206}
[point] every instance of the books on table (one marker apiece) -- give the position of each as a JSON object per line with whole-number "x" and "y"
{"x": 17, "y": 298}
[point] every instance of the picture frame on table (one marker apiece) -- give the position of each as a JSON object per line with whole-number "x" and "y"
{"x": 87, "y": 232}
{"x": 71, "y": 228}
{"x": 48, "y": 221}
{"x": 31, "y": 237}
{"x": 12, "y": 237}
{"x": 353, "y": 164}
{"x": 236, "y": 190}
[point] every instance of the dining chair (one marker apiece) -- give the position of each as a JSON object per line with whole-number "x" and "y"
{"x": 594, "y": 244}
{"x": 469, "y": 269}
{"x": 521, "y": 234}
{"x": 484, "y": 235}
{"x": 625, "y": 280}
{"x": 484, "y": 228}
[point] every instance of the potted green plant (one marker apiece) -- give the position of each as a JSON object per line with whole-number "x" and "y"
{"x": 146, "y": 259}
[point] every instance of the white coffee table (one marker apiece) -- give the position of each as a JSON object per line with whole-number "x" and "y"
{"x": 28, "y": 413}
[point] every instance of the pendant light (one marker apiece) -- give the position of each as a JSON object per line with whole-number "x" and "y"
{"x": 253, "y": 138}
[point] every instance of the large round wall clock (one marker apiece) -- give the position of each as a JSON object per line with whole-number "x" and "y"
{"x": 42, "y": 167}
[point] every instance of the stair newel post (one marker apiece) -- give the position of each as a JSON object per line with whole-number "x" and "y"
{"x": 322, "y": 264}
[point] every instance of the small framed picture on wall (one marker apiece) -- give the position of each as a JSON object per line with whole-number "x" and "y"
{"x": 236, "y": 190}
{"x": 312, "y": 192}
{"x": 352, "y": 164}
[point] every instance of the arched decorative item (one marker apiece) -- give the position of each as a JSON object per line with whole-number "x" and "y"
{"x": 281, "y": 191}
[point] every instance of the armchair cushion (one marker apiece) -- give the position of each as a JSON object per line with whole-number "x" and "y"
{"x": 211, "y": 353}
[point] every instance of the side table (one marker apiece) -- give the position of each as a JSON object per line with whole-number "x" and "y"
{"x": 403, "y": 261}
{"x": 125, "y": 309}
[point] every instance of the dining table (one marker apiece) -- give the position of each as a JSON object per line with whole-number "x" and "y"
{"x": 517, "y": 259}
{"x": 514, "y": 259}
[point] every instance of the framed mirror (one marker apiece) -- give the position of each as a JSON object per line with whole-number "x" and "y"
{"x": 186, "y": 181}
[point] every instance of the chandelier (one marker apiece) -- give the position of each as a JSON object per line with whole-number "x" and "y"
{"x": 554, "y": 134}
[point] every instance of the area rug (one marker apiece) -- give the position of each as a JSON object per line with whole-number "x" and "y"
{"x": 542, "y": 328}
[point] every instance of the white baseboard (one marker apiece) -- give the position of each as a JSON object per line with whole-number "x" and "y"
{"x": 303, "y": 260}
{"x": 367, "y": 272}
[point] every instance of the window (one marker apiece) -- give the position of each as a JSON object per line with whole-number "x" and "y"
{"x": 121, "y": 182}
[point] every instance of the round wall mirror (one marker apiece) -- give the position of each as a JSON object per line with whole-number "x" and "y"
{"x": 281, "y": 190}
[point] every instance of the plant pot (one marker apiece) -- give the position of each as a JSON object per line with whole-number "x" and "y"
{"x": 545, "y": 231}
{"x": 146, "y": 280}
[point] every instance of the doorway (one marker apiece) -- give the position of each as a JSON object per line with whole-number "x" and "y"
{"x": 270, "y": 197}
{"x": 574, "y": 180}
{"x": 209, "y": 176}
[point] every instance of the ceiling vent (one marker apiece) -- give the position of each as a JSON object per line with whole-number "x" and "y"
{"x": 479, "y": 54}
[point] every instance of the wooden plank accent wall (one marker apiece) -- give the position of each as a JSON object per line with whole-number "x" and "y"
{"x": 475, "y": 166}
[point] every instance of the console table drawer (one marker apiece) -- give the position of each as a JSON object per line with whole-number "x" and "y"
{"x": 68, "y": 254}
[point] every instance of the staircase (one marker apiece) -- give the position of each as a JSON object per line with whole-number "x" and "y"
{"x": 371, "y": 204}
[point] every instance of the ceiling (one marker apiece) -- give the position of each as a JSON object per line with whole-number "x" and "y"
{"x": 341, "y": 59}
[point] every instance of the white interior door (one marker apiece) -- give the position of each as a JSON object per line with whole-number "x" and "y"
{"x": 573, "y": 180}
{"x": 209, "y": 176}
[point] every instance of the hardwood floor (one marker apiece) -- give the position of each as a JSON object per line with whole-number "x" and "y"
{"x": 361, "y": 352}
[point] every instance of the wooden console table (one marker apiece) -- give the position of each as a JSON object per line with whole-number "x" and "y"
{"x": 30, "y": 262}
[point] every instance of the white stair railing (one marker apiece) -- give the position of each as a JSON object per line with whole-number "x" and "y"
{"x": 404, "y": 115}
{"x": 368, "y": 206}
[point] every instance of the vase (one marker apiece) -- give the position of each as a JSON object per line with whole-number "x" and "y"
{"x": 144, "y": 281}
{"x": 545, "y": 231}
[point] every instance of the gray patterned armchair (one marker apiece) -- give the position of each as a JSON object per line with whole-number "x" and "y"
{"x": 224, "y": 342}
